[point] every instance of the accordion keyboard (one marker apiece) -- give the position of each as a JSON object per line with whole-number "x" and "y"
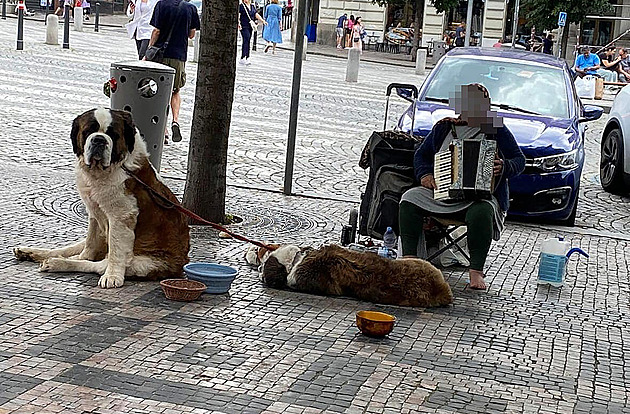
{"x": 443, "y": 174}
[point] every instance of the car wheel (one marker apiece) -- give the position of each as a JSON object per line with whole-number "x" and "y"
{"x": 570, "y": 222}
{"x": 611, "y": 163}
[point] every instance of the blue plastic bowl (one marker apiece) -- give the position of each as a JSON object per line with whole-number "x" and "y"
{"x": 218, "y": 278}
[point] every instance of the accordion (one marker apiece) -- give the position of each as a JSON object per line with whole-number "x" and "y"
{"x": 465, "y": 170}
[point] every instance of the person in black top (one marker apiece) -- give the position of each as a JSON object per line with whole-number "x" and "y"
{"x": 179, "y": 20}
{"x": 548, "y": 44}
{"x": 610, "y": 63}
{"x": 247, "y": 15}
{"x": 460, "y": 35}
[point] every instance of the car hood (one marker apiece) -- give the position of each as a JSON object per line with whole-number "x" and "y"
{"x": 537, "y": 136}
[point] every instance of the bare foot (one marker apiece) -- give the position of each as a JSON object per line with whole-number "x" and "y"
{"x": 476, "y": 279}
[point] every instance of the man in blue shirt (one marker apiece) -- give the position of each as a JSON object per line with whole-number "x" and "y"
{"x": 340, "y": 23}
{"x": 179, "y": 20}
{"x": 587, "y": 63}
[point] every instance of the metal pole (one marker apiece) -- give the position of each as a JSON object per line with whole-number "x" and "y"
{"x": 66, "y": 28}
{"x": 20, "y": 27}
{"x": 468, "y": 23}
{"x": 98, "y": 6}
{"x": 560, "y": 34}
{"x": 295, "y": 95}
{"x": 4, "y": 9}
{"x": 515, "y": 23}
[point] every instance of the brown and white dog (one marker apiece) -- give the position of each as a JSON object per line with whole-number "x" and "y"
{"x": 333, "y": 270}
{"x": 128, "y": 233}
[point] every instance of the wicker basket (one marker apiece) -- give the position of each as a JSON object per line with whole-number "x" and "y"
{"x": 182, "y": 289}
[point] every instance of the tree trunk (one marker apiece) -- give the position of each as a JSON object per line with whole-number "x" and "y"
{"x": 216, "y": 72}
{"x": 417, "y": 27}
{"x": 564, "y": 40}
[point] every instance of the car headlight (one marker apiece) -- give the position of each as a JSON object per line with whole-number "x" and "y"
{"x": 560, "y": 162}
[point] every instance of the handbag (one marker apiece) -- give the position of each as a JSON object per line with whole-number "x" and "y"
{"x": 252, "y": 24}
{"x": 156, "y": 53}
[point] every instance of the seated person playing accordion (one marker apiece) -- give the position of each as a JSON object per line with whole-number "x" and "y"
{"x": 483, "y": 216}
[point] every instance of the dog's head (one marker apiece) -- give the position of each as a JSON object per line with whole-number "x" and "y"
{"x": 256, "y": 256}
{"x": 275, "y": 266}
{"x": 102, "y": 137}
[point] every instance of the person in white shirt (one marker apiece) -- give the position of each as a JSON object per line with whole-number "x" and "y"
{"x": 139, "y": 28}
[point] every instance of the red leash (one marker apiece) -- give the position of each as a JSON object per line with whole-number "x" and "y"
{"x": 194, "y": 216}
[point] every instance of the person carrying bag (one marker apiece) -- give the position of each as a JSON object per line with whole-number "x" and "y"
{"x": 246, "y": 24}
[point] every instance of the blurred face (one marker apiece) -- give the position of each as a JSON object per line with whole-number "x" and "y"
{"x": 586, "y": 53}
{"x": 623, "y": 53}
{"x": 474, "y": 108}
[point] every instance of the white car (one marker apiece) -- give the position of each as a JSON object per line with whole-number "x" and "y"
{"x": 614, "y": 166}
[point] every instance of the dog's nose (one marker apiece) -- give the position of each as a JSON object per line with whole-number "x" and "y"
{"x": 99, "y": 140}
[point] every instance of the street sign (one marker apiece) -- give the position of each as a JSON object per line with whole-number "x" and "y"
{"x": 562, "y": 19}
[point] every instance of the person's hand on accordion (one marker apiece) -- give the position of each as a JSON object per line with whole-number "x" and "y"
{"x": 498, "y": 167}
{"x": 429, "y": 182}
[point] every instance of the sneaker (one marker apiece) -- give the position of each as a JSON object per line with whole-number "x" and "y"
{"x": 177, "y": 135}
{"x": 242, "y": 61}
{"x": 247, "y": 62}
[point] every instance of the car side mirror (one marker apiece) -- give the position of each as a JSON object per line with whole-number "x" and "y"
{"x": 591, "y": 113}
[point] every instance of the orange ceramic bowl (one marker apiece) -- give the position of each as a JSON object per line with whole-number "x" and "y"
{"x": 375, "y": 324}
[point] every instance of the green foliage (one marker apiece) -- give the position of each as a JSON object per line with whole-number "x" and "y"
{"x": 544, "y": 13}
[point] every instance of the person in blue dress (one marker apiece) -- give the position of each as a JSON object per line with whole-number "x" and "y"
{"x": 272, "y": 33}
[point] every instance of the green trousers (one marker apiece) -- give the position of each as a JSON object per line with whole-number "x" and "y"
{"x": 478, "y": 218}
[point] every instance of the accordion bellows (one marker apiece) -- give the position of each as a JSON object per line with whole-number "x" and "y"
{"x": 465, "y": 170}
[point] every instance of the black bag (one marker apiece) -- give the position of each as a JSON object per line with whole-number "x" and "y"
{"x": 389, "y": 156}
{"x": 156, "y": 53}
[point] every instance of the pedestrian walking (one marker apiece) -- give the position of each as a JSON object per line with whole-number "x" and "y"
{"x": 247, "y": 24}
{"x": 273, "y": 32}
{"x": 341, "y": 21}
{"x": 460, "y": 35}
{"x": 174, "y": 22}
{"x": 139, "y": 28}
{"x": 548, "y": 44}
{"x": 357, "y": 34}
{"x": 348, "y": 26}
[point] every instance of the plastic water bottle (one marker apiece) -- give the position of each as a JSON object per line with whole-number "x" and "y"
{"x": 389, "y": 238}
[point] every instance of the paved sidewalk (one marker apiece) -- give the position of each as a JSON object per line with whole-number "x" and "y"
{"x": 68, "y": 346}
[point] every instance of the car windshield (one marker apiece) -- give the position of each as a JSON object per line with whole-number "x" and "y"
{"x": 532, "y": 88}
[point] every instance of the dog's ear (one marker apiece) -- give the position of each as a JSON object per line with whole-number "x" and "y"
{"x": 274, "y": 274}
{"x": 129, "y": 130}
{"x": 74, "y": 136}
{"x": 251, "y": 256}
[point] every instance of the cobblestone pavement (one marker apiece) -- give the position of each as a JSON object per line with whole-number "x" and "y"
{"x": 67, "y": 346}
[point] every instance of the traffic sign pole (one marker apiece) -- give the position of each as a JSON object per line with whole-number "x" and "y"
{"x": 562, "y": 21}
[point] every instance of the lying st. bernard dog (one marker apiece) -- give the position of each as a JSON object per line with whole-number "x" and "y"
{"x": 334, "y": 270}
{"x": 128, "y": 233}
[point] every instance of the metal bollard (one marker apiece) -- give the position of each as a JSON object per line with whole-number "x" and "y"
{"x": 66, "y": 28}
{"x": 352, "y": 69}
{"x": 20, "y": 27}
{"x": 52, "y": 29}
{"x": 78, "y": 19}
{"x": 421, "y": 61}
{"x": 98, "y": 6}
{"x": 4, "y": 9}
{"x": 305, "y": 47}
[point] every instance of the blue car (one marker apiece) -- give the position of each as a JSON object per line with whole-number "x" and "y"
{"x": 534, "y": 94}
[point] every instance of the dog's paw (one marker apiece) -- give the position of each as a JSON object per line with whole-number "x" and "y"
{"x": 111, "y": 281}
{"x": 22, "y": 253}
{"x": 54, "y": 264}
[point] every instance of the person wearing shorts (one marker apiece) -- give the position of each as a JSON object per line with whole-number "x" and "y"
{"x": 340, "y": 33}
{"x": 183, "y": 19}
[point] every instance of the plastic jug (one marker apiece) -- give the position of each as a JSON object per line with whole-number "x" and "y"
{"x": 554, "y": 254}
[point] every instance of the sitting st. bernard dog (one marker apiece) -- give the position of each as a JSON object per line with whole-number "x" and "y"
{"x": 334, "y": 270}
{"x": 128, "y": 233}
